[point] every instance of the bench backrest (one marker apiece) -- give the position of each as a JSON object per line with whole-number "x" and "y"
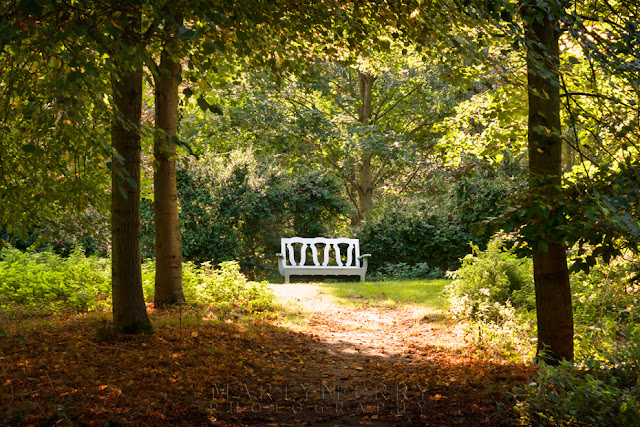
{"x": 294, "y": 251}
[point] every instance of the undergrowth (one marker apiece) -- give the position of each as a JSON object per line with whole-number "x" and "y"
{"x": 224, "y": 289}
{"x": 44, "y": 278}
{"x": 41, "y": 283}
{"x": 493, "y": 294}
{"x": 402, "y": 270}
{"x": 602, "y": 389}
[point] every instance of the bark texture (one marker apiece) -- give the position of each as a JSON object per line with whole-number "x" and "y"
{"x": 551, "y": 276}
{"x": 129, "y": 311}
{"x": 168, "y": 282}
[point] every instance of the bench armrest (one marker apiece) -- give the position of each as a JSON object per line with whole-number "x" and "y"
{"x": 365, "y": 261}
{"x": 281, "y": 263}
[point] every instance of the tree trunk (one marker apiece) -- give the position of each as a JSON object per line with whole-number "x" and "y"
{"x": 364, "y": 188}
{"x": 129, "y": 311}
{"x": 168, "y": 284}
{"x": 551, "y": 276}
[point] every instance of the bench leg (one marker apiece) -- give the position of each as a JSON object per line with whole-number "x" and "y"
{"x": 362, "y": 276}
{"x": 286, "y": 278}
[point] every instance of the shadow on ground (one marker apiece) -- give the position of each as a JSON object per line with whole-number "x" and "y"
{"x": 239, "y": 373}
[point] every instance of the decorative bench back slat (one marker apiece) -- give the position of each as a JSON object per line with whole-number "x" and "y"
{"x": 288, "y": 250}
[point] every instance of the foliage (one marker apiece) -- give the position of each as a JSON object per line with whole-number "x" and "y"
{"x": 596, "y": 209}
{"x": 436, "y": 229}
{"x": 82, "y": 283}
{"x": 493, "y": 292}
{"x": 489, "y": 280}
{"x": 490, "y": 125}
{"x": 225, "y": 289}
{"x": 604, "y": 211}
{"x": 403, "y": 270}
{"x": 89, "y": 230}
{"x": 415, "y": 232}
{"x": 600, "y": 390}
{"x": 78, "y": 282}
{"x": 237, "y": 207}
{"x": 608, "y": 293}
{"x": 53, "y": 120}
{"x": 317, "y": 119}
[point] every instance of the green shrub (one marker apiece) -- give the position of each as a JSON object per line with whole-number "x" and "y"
{"x": 493, "y": 291}
{"x": 609, "y": 292}
{"x": 225, "y": 289}
{"x": 34, "y": 278}
{"x": 89, "y": 230}
{"x": 489, "y": 280}
{"x": 437, "y": 228}
{"x": 238, "y": 207}
{"x": 478, "y": 198}
{"x": 414, "y": 232}
{"x": 601, "y": 390}
{"x": 403, "y": 270}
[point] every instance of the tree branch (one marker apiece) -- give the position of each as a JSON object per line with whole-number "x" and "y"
{"x": 413, "y": 175}
{"x": 399, "y": 101}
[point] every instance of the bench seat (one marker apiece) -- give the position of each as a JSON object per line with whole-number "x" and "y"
{"x": 329, "y": 257}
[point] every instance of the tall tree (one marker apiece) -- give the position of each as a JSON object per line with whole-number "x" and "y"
{"x": 83, "y": 48}
{"x": 129, "y": 311}
{"x": 168, "y": 280}
{"x": 551, "y": 274}
{"x": 594, "y": 210}
{"x": 368, "y": 126}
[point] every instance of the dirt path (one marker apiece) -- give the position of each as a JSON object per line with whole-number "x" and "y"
{"x": 369, "y": 331}
{"x": 390, "y": 366}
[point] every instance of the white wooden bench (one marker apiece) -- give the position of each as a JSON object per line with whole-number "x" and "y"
{"x": 339, "y": 257}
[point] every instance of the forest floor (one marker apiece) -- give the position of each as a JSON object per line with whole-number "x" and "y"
{"x": 325, "y": 363}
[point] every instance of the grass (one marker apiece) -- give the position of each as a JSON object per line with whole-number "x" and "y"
{"x": 391, "y": 293}
{"x": 424, "y": 296}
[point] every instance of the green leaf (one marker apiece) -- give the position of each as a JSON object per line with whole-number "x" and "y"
{"x": 203, "y": 104}
{"x": 215, "y": 109}
{"x": 28, "y": 148}
{"x": 31, "y": 7}
{"x": 211, "y": 48}
{"x": 188, "y": 92}
{"x": 505, "y": 15}
{"x": 131, "y": 182}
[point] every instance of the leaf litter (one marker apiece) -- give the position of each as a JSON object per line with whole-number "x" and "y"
{"x": 337, "y": 365}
